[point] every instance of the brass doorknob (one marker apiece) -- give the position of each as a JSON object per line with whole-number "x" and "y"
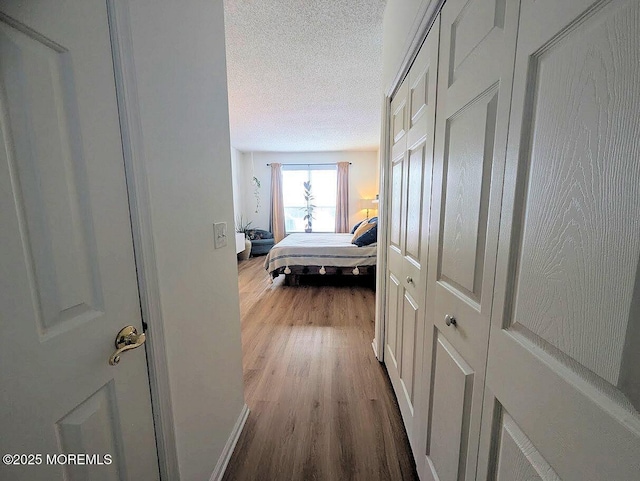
{"x": 450, "y": 320}
{"x": 128, "y": 338}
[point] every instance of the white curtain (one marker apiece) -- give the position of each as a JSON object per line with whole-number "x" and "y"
{"x": 277, "y": 203}
{"x": 342, "y": 198}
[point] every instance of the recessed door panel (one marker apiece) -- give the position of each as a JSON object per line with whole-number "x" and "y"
{"x": 399, "y": 123}
{"x": 419, "y": 96}
{"x": 581, "y": 196}
{"x": 475, "y": 21}
{"x": 43, "y": 121}
{"x": 450, "y": 412}
{"x": 415, "y": 190}
{"x": 410, "y": 313}
{"x": 517, "y": 458}
{"x": 77, "y": 432}
{"x": 396, "y": 202}
{"x": 392, "y": 319}
{"x": 468, "y": 160}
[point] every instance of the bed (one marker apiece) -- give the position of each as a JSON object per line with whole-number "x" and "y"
{"x": 319, "y": 254}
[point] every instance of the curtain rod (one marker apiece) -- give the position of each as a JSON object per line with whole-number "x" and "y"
{"x": 328, "y": 163}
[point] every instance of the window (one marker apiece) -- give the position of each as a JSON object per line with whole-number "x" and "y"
{"x": 323, "y": 188}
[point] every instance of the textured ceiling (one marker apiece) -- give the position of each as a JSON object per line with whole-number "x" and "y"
{"x": 304, "y": 75}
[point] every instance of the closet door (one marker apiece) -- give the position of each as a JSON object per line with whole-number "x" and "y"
{"x": 395, "y": 287}
{"x": 563, "y": 373}
{"x": 413, "y": 110}
{"x": 477, "y": 49}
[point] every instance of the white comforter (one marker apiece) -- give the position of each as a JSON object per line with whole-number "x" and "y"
{"x": 313, "y": 249}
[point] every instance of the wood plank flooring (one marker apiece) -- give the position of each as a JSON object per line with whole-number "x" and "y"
{"x": 322, "y": 407}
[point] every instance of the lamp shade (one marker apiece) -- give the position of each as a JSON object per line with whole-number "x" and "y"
{"x": 368, "y": 204}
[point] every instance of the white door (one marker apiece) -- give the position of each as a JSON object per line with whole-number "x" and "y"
{"x": 67, "y": 273}
{"x": 477, "y": 48}
{"x": 563, "y": 374}
{"x": 413, "y": 110}
{"x": 395, "y": 285}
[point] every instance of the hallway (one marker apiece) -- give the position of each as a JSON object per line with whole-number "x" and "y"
{"x": 321, "y": 405}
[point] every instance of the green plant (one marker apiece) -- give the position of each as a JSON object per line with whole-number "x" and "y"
{"x": 308, "y": 209}
{"x": 242, "y": 226}
{"x": 255, "y": 182}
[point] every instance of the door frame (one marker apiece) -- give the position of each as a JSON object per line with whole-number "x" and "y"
{"x": 142, "y": 233}
{"x": 417, "y": 34}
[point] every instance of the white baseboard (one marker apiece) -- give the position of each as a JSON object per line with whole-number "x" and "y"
{"x": 223, "y": 461}
{"x": 375, "y": 349}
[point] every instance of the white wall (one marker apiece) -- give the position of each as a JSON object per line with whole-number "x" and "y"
{"x": 400, "y": 22}
{"x": 363, "y": 179}
{"x": 179, "y": 56}
{"x": 238, "y": 199}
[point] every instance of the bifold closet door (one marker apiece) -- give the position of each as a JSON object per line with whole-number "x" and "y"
{"x": 477, "y": 49}
{"x": 413, "y": 118}
{"x": 563, "y": 373}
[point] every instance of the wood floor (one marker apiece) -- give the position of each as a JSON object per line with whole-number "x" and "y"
{"x": 322, "y": 407}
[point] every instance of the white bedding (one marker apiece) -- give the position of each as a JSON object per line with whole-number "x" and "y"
{"x": 313, "y": 249}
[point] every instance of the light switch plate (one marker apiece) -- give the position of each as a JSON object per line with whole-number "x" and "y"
{"x": 219, "y": 234}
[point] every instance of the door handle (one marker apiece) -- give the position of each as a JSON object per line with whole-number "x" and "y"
{"x": 450, "y": 320}
{"x": 409, "y": 280}
{"x": 128, "y": 338}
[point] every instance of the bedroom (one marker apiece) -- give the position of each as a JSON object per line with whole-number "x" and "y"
{"x": 252, "y": 186}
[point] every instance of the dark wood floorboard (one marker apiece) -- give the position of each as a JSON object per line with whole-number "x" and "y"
{"x": 322, "y": 406}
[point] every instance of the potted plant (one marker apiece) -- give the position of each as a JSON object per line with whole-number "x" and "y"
{"x": 243, "y": 227}
{"x": 308, "y": 209}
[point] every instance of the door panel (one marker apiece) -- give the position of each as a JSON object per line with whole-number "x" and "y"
{"x": 566, "y": 280}
{"x": 397, "y": 344}
{"x": 561, "y": 360}
{"x": 411, "y": 156}
{"x": 477, "y": 48}
{"x": 467, "y": 177}
{"x": 418, "y": 179}
{"x": 396, "y": 203}
{"x": 397, "y": 168}
{"x": 452, "y": 396}
{"x": 419, "y": 97}
{"x": 66, "y": 266}
{"x": 410, "y": 314}
{"x": 399, "y": 119}
{"x": 474, "y": 22}
{"x": 517, "y": 458}
{"x": 60, "y": 243}
{"x": 77, "y": 429}
{"x": 393, "y": 289}
{"x": 415, "y": 187}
